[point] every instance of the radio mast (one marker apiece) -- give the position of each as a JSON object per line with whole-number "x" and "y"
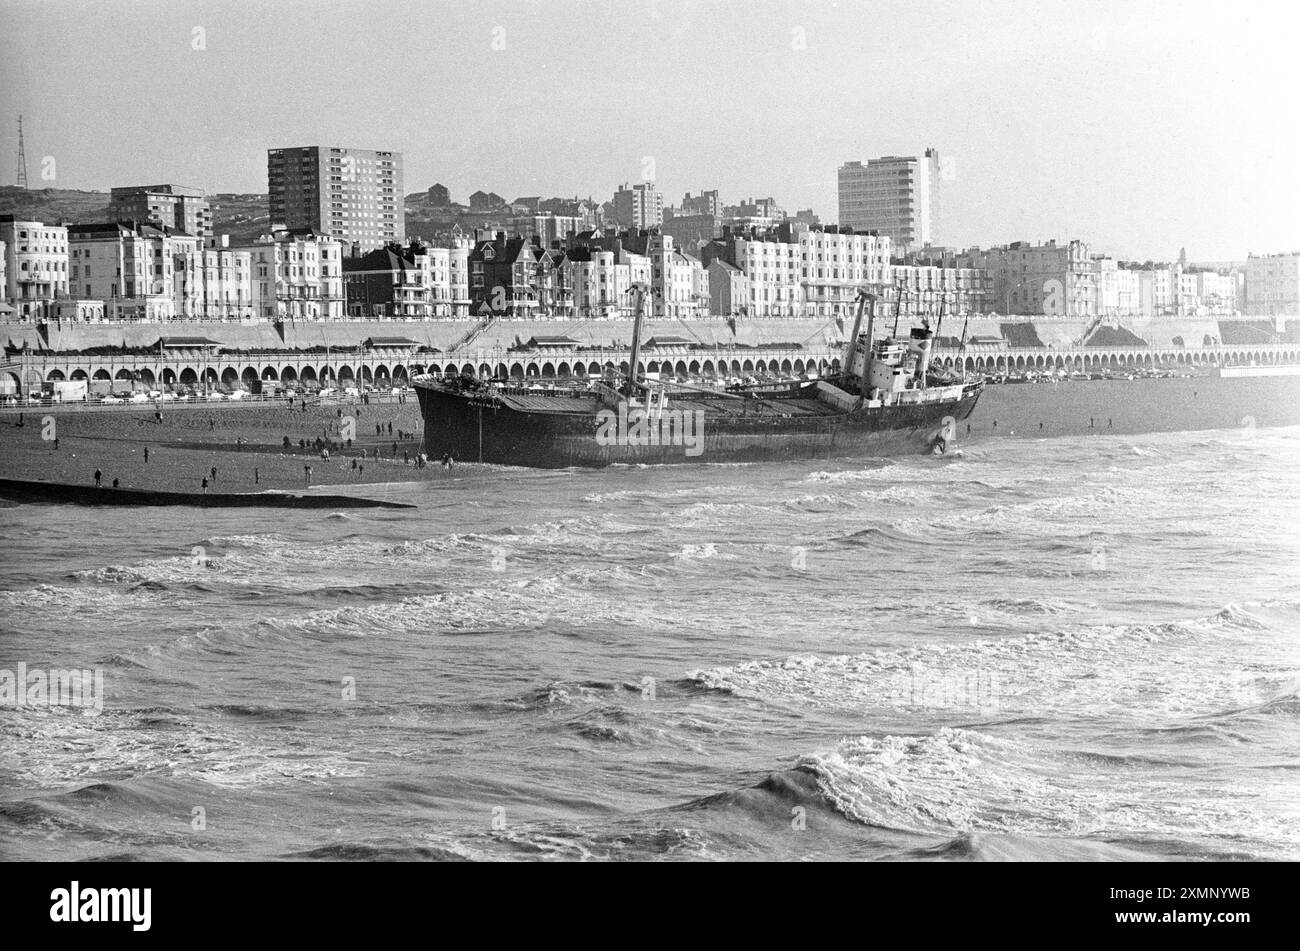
{"x": 22, "y": 156}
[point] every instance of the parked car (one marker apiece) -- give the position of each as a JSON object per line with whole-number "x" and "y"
{"x": 111, "y": 399}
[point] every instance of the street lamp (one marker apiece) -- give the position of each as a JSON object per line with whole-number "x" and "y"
{"x": 1012, "y": 290}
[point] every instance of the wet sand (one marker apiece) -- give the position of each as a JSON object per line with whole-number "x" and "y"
{"x": 191, "y": 441}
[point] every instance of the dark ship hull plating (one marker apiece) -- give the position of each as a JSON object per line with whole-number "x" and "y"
{"x": 557, "y": 431}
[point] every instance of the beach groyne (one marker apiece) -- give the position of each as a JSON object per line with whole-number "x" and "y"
{"x": 21, "y": 490}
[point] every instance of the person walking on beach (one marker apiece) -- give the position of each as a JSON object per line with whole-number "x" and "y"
{"x": 306, "y": 472}
{"x": 214, "y": 473}
{"x": 99, "y": 479}
{"x": 257, "y": 476}
{"x": 146, "y": 453}
{"x": 205, "y": 485}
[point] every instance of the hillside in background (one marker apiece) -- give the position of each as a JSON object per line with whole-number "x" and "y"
{"x": 242, "y": 216}
{"x": 52, "y": 205}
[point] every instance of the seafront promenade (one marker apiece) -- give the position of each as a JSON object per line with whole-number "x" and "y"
{"x": 257, "y": 371}
{"x": 355, "y": 354}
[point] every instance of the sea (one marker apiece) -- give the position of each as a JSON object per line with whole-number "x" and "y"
{"x": 1081, "y": 647}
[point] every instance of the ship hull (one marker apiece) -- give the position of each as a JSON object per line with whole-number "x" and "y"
{"x": 476, "y": 428}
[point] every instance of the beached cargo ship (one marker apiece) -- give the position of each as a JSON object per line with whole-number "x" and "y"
{"x": 886, "y": 401}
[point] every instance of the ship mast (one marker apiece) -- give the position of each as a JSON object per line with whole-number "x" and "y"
{"x": 853, "y": 337}
{"x": 642, "y": 292}
{"x": 961, "y": 350}
{"x": 865, "y": 387}
{"x": 865, "y": 299}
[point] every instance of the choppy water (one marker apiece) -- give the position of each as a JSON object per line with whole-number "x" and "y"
{"x": 1073, "y": 648}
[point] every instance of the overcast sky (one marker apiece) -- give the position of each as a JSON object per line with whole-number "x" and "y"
{"x": 1140, "y": 127}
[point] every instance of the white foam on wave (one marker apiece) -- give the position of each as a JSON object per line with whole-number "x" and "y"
{"x": 879, "y": 474}
{"x": 53, "y": 747}
{"x": 960, "y": 780}
{"x": 1140, "y": 674}
{"x": 62, "y": 602}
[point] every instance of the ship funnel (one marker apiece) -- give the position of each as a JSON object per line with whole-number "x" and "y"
{"x": 922, "y": 340}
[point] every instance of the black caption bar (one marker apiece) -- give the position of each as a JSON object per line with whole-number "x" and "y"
{"x": 329, "y": 900}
